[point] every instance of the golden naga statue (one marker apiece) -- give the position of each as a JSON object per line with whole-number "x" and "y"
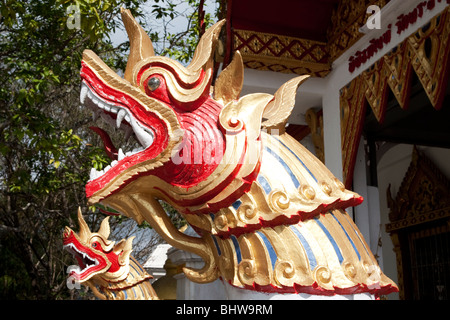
{"x": 270, "y": 216}
{"x": 107, "y": 268}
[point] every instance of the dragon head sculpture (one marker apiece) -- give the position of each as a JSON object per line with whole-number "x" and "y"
{"x": 157, "y": 102}
{"x": 104, "y": 264}
{"x": 227, "y": 165}
{"x": 97, "y": 256}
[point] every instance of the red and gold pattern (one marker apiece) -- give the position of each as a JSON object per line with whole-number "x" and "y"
{"x": 108, "y": 268}
{"x": 270, "y": 216}
{"x": 263, "y": 51}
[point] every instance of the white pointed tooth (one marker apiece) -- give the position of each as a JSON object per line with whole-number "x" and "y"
{"x": 93, "y": 174}
{"x": 94, "y": 100}
{"x": 120, "y": 154}
{"x": 144, "y": 138}
{"x": 120, "y": 115}
{"x": 113, "y": 163}
{"x": 106, "y": 168}
{"x": 83, "y": 93}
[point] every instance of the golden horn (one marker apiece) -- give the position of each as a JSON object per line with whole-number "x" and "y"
{"x": 84, "y": 232}
{"x": 230, "y": 81}
{"x": 141, "y": 46}
{"x": 205, "y": 48}
{"x": 104, "y": 228}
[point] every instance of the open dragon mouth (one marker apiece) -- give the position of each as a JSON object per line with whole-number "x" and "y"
{"x": 119, "y": 117}
{"x": 86, "y": 264}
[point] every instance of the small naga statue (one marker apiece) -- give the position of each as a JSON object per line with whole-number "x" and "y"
{"x": 270, "y": 217}
{"x": 105, "y": 267}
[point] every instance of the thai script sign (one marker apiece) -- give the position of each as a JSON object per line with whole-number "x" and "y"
{"x": 402, "y": 24}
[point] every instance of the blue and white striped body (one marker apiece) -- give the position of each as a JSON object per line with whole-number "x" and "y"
{"x": 290, "y": 234}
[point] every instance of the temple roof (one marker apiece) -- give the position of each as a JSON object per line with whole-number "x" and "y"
{"x": 294, "y": 36}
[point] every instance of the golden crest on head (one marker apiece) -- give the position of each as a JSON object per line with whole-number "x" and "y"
{"x": 142, "y": 54}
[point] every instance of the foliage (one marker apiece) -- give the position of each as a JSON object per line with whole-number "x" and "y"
{"x": 46, "y": 150}
{"x": 44, "y": 162}
{"x": 180, "y": 44}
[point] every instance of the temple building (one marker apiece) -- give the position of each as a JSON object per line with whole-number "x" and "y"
{"x": 376, "y": 111}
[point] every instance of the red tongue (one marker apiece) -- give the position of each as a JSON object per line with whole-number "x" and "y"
{"x": 111, "y": 151}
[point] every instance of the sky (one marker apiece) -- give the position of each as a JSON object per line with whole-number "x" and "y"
{"x": 176, "y": 25}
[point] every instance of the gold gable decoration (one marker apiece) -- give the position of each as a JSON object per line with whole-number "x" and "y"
{"x": 272, "y": 52}
{"x": 426, "y": 52}
{"x": 352, "y": 119}
{"x": 346, "y": 21}
{"x": 264, "y": 51}
{"x": 423, "y": 196}
{"x": 420, "y": 209}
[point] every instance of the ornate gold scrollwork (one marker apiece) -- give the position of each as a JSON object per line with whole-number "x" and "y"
{"x": 373, "y": 272}
{"x": 424, "y": 52}
{"x": 326, "y": 188}
{"x": 247, "y": 271}
{"x": 225, "y": 261}
{"x": 322, "y": 275}
{"x": 349, "y": 270}
{"x": 307, "y": 192}
{"x": 255, "y": 232}
{"x": 279, "y": 200}
{"x": 221, "y": 222}
{"x": 339, "y": 185}
{"x": 284, "y": 272}
{"x": 246, "y": 212}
